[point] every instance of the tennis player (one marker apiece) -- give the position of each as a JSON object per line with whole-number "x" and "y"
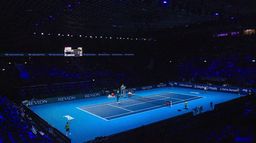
{"x": 211, "y": 105}
{"x": 67, "y": 127}
{"x": 205, "y": 89}
{"x": 186, "y": 105}
{"x": 117, "y": 97}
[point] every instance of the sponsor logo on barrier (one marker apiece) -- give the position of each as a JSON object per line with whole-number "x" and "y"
{"x": 59, "y": 99}
{"x": 161, "y": 85}
{"x": 37, "y": 102}
{"x": 225, "y": 89}
{"x": 185, "y": 85}
{"x": 199, "y": 86}
{"x": 146, "y": 87}
{"x": 245, "y": 90}
{"x": 170, "y": 83}
{"x": 213, "y": 88}
{"x": 234, "y": 90}
{"x": 68, "y": 98}
{"x": 91, "y": 95}
{"x": 230, "y": 89}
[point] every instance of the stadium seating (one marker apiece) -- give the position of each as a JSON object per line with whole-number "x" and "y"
{"x": 17, "y": 125}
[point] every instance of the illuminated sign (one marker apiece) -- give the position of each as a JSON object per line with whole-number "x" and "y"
{"x": 234, "y": 33}
{"x": 249, "y": 31}
{"x": 69, "y": 52}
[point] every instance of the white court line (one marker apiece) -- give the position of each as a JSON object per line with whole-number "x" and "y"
{"x": 194, "y": 98}
{"x": 141, "y": 102}
{"x": 149, "y": 108}
{"x": 107, "y": 103}
{"x": 184, "y": 94}
{"x": 130, "y": 112}
{"x": 195, "y": 92}
{"x": 164, "y": 97}
{"x": 129, "y": 100}
{"x": 188, "y": 98}
{"x": 124, "y": 101}
{"x": 156, "y": 106}
{"x": 136, "y": 111}
{"x": 172, "y": 98}
{"x": 95, "y": 105}
{"x": 177, "y": 99}
{"x": 127, "y": 113}
{"x": 119, "y": 107}
{"x": 92, "y": 114}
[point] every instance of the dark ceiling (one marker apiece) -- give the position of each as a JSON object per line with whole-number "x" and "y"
{"x": 104, "y": 16}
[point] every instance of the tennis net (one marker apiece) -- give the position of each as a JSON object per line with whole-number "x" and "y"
{"x": 154, "y": 100}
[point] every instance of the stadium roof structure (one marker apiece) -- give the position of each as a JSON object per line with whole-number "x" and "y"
{"x": 104, "y": 16}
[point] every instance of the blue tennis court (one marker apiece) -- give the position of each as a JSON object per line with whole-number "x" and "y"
{"x": 134, "y": 105}
{"x": 102, "y": 116}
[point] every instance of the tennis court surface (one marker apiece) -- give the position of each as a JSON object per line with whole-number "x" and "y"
{"x": 134, "y": 104}
{"x": 102, "y": 116}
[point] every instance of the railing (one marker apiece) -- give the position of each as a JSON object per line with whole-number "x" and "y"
{"x": 55, "y": 134}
